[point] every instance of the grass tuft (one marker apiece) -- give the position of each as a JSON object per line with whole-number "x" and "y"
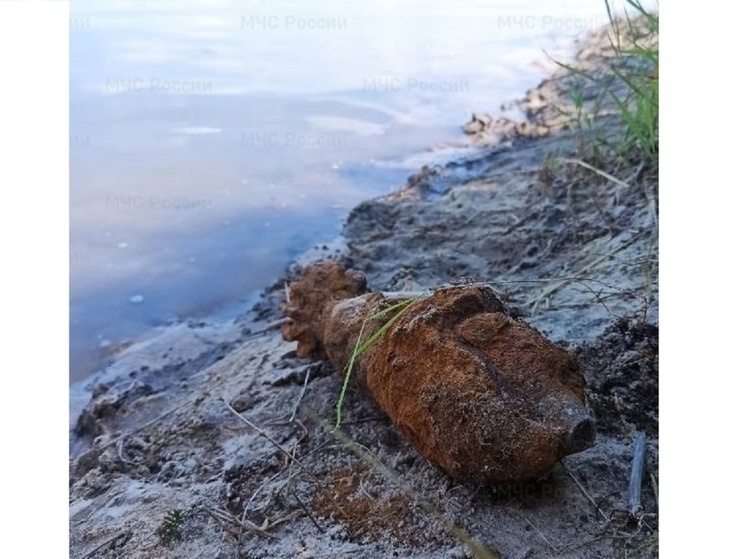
{"x": 171, "y": 527}
{"x": 632, "y": 93}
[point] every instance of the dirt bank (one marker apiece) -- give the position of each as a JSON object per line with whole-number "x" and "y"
{"x": 214, "y": 443}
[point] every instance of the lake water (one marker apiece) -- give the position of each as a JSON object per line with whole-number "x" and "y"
{"x": 211, "y": 142}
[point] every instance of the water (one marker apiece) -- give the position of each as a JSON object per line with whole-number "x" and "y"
{"x": 213, "y": 141}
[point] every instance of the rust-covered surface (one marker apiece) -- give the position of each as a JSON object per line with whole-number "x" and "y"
{"x": 312, "y": 298}
{"x": 484, "y": 396}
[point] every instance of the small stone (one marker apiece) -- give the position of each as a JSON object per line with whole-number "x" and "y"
{"x": 241, "y": 403}
{"x": 99, "y": 390}
{"x": 478, "y": 123}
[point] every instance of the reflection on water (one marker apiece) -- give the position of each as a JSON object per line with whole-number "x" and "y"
{"x": 212, "y": 141}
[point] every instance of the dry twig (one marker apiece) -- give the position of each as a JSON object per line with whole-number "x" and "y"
{"x": 302, "y": 393}
{"x": 562, "y": 283}
{"x": 110, "y": 541}
{"x": 274, "y": 443}
{"x": 634, "y": 503}
{"x": 306, "y": 511}
{"x": 599, "y": 172}
{"x": 585, "y": 493}
{"x": 222, "y": 517}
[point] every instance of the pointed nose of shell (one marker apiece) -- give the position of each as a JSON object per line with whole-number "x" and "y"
{"x": 581, "y": 435}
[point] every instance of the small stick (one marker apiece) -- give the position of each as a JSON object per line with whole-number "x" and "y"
{"x": 258, "y": 489}
{"x": 403, "y": 295}
{"x": 246, "y": 510}
{"x": 146, "y": 425}
{"x": 365, "y": 420}
{"x": 599, "y": 172}
{"x": 120, "y": 453}
{"x": 261, "y": 431}
{"x": 306, "y": 511}
{"x": 543, "y": 537}
{"x": 302, "y": 393}
{"x": 535, "y": 302}
{"x": 107, "y": 542}
{"x": 270, "y": 326}
{"x": 561, "y": 281}
{"x": 635, "y": 481}
{"x": 587, "y": 495}
{"x": 264, "y": 434}
{"x": 396, "y": 295}
{"x": 220, "y": 516}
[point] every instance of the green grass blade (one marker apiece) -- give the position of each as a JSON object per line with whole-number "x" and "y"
{"x": 361, "y": 346}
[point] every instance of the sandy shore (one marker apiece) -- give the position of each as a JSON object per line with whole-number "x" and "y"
{"x": 162, "y": 466}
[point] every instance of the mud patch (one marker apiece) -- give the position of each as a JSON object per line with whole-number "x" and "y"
{"x": 621, "y": 368}
{"x": 349, "y": 497}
